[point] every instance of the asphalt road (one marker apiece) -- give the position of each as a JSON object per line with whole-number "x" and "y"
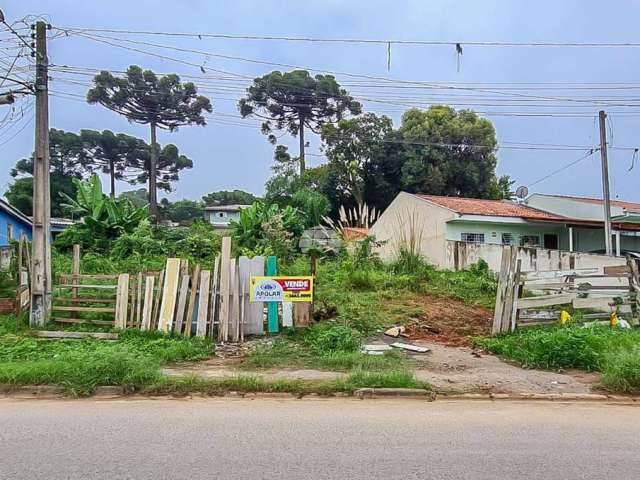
{"x": 316, "y": 439}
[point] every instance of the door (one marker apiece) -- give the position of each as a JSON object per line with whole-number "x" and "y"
{"x": 551, "y": 241}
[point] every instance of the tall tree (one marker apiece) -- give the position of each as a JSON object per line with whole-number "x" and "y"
{"x": 225, "y": 197}
{"x": 352, "y": 147}
{"x": 113, "y": 154}
{"x": 160, "y": 102}
{"x": 168, "y": 165}
{"x": 294, "y": 100}
{"x": 68, "y": 160}
{"x": 448, "y": 152}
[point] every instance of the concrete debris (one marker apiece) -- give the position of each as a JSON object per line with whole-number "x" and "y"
{"x": 375, "y": 349}
{"x": 395, "y": 332}
{"x": 410, "y": 347}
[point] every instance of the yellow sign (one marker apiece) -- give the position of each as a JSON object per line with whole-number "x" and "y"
{"x": 281, "y": 289}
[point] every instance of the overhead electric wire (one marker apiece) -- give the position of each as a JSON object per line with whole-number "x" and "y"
{"x": 353, "y": 40}
{"x": 565, "y": 167}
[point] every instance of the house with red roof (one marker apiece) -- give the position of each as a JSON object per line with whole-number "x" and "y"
{"x": 432, "y": 222}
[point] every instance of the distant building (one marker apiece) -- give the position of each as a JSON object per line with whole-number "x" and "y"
{"x": 220, "y": 216}
{"x": 12, "y": 223}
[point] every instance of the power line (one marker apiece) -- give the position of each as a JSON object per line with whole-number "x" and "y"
{"x": 71, "y": 30}
{"x": 565, "y": 167}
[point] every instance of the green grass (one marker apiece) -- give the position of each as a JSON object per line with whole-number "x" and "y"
{"x": 79, "y": 365}
{"x": 251, "y": 383}
{"x": 614, "y": 352}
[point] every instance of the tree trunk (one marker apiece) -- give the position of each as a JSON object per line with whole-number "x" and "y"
{"x": 153, "y": 162}
{"x": 112, "y": 178}
{"x": 301, "y": 135}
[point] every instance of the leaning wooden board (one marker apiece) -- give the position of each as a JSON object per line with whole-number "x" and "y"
{"x": 169, "y": 294}
{"x": 203, "y": 303}
{"x": 122, "y": 301}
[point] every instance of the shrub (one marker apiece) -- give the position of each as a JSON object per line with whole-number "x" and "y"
{"x": 330, "y": 338}
{"x": 621, "y": 370}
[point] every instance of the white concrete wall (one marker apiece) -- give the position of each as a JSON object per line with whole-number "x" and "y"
{"x": 493, "y": 231}
{"x": 461, "y": 255}
{"x": 409, "y": 213}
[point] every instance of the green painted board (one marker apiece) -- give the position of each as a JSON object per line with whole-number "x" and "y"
{"x": 272, "y": 312}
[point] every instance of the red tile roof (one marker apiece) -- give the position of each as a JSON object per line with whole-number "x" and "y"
{"x": 494, "y": 208}
{"x": 599, "y": 201}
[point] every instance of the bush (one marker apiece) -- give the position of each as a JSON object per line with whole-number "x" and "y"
{"x": 621, "y": 370}
{"x": 330, "y": 338}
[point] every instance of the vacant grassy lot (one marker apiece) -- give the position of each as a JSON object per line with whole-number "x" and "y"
{"x": 614, "y": 352}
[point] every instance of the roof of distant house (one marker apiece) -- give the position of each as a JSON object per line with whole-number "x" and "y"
{"x": 10, "y": 209}
{"x": 493, "y": 208}
{"x": 598, "y": 201}
{"x": 226, "y": 208}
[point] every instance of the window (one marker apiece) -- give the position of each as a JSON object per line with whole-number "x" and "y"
{"x": 472, "y": 237}
{"x": 508, "y": 239}
{"x": 530, "y": 241}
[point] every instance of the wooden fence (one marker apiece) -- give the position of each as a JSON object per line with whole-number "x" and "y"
{"x": 524, "y": 298}
{"x": 211, "y": 301}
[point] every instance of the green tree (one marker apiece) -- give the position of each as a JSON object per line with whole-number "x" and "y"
{"x": 138, "y": 198}
{"x": 225, "y": 197}
{"x": 182, "y": 210}
{"x": 160, "y": 102}
{"x": 168, "y": 165}
{"x": 448, "y": 152}
{"x": 68, "y": 160}
{"x": 293, "y": 101}
{"x": 113, "y": 154}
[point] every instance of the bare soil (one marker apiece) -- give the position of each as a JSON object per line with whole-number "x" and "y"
{"x": 448, "y": 321}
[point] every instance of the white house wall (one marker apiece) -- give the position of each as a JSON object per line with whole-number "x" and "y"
{"x": 407, "y": 213}
{"x": 493, "y": 231}
{"x": 569, "y": 207}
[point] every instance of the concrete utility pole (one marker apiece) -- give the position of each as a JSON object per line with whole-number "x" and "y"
{"x": 605, "y": 183}
{"x": 41, "y": 269}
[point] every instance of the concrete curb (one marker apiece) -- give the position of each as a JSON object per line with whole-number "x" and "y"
{"x": 114, "y": 392}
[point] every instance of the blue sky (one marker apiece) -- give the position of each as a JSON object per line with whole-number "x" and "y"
{"x": 230, "y": 153}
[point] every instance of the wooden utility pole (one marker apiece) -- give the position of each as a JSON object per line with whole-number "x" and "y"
{"x": 605, "y": 183}
{"x": 41, "y": 270}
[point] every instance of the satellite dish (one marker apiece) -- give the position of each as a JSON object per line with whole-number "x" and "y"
{"x": 522, "y": 192}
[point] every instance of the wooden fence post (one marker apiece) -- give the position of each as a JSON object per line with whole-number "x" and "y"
{"x": 225, "y": 277}
{"x": 122, "y": 301}
{"x": 147, "y": 307}
{"x": 502, "y": 290}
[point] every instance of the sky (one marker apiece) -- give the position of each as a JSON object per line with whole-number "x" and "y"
{"x": 230, "y": 153}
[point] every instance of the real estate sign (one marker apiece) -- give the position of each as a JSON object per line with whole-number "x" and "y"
{"x": 281, "y": 289}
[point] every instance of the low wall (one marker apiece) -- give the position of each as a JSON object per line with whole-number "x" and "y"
{"x": 461, "y": 255}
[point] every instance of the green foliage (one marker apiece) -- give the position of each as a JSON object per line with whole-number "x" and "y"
{"x": 267, "y": 229}
{"x": 621, "y": 371}
{"x": 79, "y": 365}
{"x": 329, "y": 338}
{"x": 313, "y": 205}
{"x": 474, "y": 286}
{"x": 293, "y": 101}
{"x": 391, "y": 379}
{"x": 104, "y": 219}
{"x": 565, "y": 347}
{"x": 182, "y": 210}
{"x": 160, "y": 102}
{"x": 224, "y": 197}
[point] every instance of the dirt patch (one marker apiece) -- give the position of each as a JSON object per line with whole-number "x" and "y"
{"x": 448, "y": 321}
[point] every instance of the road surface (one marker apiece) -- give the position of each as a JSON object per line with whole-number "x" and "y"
{"x": 316, "y": 439}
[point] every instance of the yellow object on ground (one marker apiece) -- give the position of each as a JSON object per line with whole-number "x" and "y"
{"x": 613, "y": 319}
{"x": 565, "y": 317}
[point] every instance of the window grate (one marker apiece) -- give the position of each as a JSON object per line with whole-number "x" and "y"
{"x": 472, "y": 237}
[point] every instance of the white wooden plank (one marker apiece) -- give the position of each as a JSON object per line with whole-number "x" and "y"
{"x": 215, "y": 290}
{"x": 545, "y": 300}
{"x": 147, "y": 306}
{"x": 169, "y": 293}
{"x": 203, "y": 303}
{"x": 182, "y": 302}
{"x": 287, "y": 314}
{"x": 254, "y": 323}
{"x": 594, "y": 302}
{"x": 122, "y": 300}
{"x": 225, "y": 264}
{"x": 234, "y": 331}
{"x": 554, "y": 274}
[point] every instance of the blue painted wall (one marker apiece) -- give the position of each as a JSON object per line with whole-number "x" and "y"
{"x": 19, "y": 225}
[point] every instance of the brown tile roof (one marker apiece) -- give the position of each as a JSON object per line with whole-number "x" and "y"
{"x": 599, "y": 201}
{"x": 494, "y": 208}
